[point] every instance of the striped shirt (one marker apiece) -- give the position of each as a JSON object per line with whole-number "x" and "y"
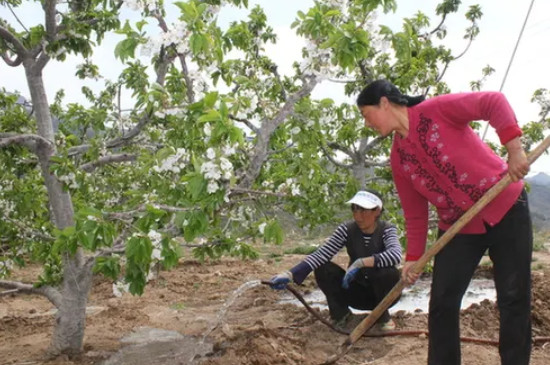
{"x": 390, "y": 255}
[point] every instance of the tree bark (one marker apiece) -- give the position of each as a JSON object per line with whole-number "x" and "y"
{"x": 70, "y": 319}
{"x": 260, "y": 151}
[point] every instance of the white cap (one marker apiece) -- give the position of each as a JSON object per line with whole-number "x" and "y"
{"x": 366, "y": 200}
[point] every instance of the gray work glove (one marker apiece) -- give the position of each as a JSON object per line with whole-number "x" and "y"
{"x": 352, "y": 270}
{"x": 280, "y": 281}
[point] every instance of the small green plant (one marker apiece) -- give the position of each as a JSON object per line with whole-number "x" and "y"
{"x": 301, "y": 250}
{"x": 177, "y": 306}
{"x": 539, "y": 241}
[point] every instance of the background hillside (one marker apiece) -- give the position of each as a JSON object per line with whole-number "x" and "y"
{"x": 539, "y": 201}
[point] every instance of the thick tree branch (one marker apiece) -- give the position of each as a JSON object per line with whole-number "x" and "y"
{"x": 77, "y": 150}
{"x": 470, "y": 41}
{"x": 105, "y": 160}
{"x": 43, "y": 59}
{"x": 372, "y": 144}
{"x": 260, "y": 151}
{"x": 371, "y": 163}
{"x": 282, "y": 149}
{"x": 49, "y": 12}
{"x": 52, "y": 294}
{"x": 273, "y": 69}
{"x": 188, "y": 80}
{"x": 7, "y": 36}
{"x": 331, "y": 159}
{"x": 238, "y": 191}
{"x": 339, "y": 147}
{"x": 10, "y": 62}
{"x": 438, "y": 26}
{"x": 31, "y": 141}
{"x": 142, "y": 208}
{"x": 27, "y": 230}
{"x": 125, "y": 139}
{"x": 246, "y": 122}
{"x": 162, "y": 65}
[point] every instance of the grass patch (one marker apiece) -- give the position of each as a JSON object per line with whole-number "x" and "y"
{"x": 177, "y": 306}
{"x": 540, "y": 240}
{"x": 301, "y": 250}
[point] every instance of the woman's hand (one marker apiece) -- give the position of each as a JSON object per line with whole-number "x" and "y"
{"x": 518, "y": 165}
{"x": 407, "y": 275}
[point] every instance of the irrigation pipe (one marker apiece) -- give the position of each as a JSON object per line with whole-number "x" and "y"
{"x": 429, "y": 254}
{"x": 482, "y": 341}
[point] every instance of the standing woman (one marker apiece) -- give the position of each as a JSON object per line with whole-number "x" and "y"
{"x": 437, "y": 158}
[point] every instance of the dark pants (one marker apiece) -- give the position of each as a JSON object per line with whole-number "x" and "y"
{"x": 362, "y": 293}
{"x": 510, "y": 245}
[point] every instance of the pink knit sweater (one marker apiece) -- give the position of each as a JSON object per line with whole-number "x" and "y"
{"x": 444, "y": 162}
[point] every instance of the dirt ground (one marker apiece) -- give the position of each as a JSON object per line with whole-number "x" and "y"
{"x": 255, "y": 328}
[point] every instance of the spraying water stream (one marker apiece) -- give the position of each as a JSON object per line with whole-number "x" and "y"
{"x": 223, "y": 311}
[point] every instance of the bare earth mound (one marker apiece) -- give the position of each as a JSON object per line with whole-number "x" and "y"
{"x": 255, "y": 327}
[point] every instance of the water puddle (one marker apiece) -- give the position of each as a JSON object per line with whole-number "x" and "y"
{"x": 153, "y": 346}
{"x": 414, "y": 299}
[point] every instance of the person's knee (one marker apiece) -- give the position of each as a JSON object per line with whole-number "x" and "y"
{"x": 328, "y": 270}
{"x": 389, "y": 274}
{"x": 443, "y": 304}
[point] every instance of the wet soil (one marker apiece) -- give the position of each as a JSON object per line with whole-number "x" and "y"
{"x": 256, "y": 328}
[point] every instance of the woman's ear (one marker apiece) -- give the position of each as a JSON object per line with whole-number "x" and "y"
{"x": 384, "y": 102}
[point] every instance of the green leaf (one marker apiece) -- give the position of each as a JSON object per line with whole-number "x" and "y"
{"x": 108, "y": 266}
{"x": 274, "y": 233}
{"x": 139, "y": 249}
{"x": 210, "y": 100}
{"x": 210, "y": 116}
{"x": 196, "y": 186}
{"x": 197, "y": 223}
{"x": 126, "y": 48}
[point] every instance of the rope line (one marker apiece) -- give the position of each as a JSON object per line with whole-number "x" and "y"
{"x": 512, "y": 58}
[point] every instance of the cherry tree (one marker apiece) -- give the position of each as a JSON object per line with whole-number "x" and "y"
{"x": 217, "y": 144}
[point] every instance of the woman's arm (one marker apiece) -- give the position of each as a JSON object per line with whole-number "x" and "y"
{"x": 415, "y": 210}
{"x": 322, "y": 255}
{"x": 392, "y": 253}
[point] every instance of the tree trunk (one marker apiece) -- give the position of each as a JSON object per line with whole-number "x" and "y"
{"x": 71, "y": 316}
{"x": 70, "y": 320}
{"x": 360, "y": 174}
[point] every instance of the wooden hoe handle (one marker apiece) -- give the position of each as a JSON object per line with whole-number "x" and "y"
{"x": 431, "y": 252}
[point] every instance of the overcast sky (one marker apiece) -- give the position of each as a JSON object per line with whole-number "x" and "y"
{"x": 500, "y": 27}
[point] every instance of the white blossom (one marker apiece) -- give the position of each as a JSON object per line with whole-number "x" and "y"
{"x": 156, "y": 254}
{"x": 173, "y": 163}
{"x": 212, "y": 187}
{"x": 120, "y": 287}
{"x": 211, "y": 171}
{"x": 210, "y": 153}
{"x": 229, "y": 150}
{"x": 261, "y": 227}
{"x": 155, "y": 237}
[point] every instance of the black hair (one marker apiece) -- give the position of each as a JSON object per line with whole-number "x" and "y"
{"x": 377, "y": 193}
{"x": 371, "y": 94}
